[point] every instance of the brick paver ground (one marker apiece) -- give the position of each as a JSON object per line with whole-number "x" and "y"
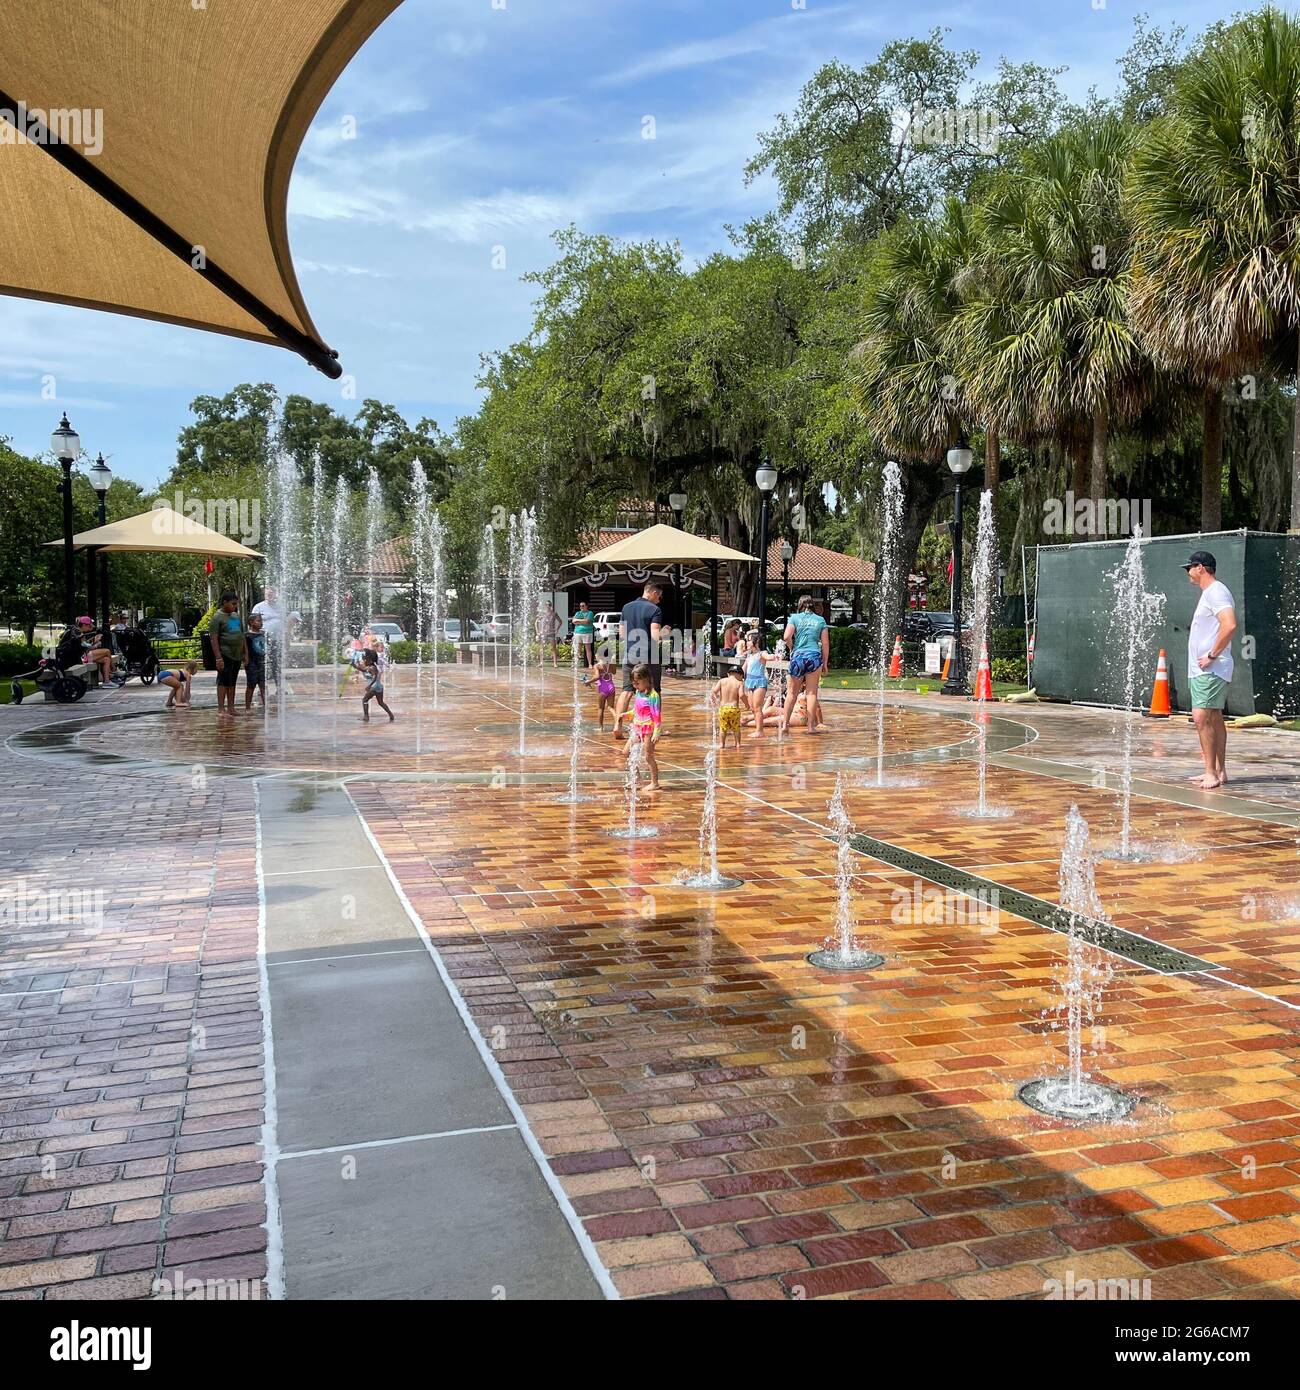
{"x": 728, "y": 1121}
{"x": 731, "y": 1122}
{"x": 130, "y": 1034}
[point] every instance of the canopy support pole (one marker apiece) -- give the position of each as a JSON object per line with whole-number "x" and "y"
{"x": 713, "y": 616}
{"x": 322, "y": 358}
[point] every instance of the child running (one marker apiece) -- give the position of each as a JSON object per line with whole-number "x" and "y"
{"x": 647, "y": 721}
{"x": 756, "y": 660}
{"x": 727, "y": 694}
{"x": 604, "y": 678}
{"x": 374, "y": 687}
{"x": 178, "y": 684}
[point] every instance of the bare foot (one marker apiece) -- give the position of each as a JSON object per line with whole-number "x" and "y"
{"x": 1208, "y": 784}
{"x": 652, "y": 788}
{"x": 756, "y": 735}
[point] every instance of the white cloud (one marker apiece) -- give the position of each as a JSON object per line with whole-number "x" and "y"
{"x": 460, "y": 44}
{"x": 325, "y": 268}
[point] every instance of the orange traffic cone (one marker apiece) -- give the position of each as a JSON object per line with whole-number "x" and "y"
{"x": 984, "y": 680}
{"x": 1032, "y": 635}
{"x": 1160, "y": 691}
{"x": 947, "y": 666}
{"x": 896, "y": 664}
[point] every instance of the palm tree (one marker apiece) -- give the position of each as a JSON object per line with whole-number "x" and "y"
{"x": 1045, "y": 333}
{"x": 1215, "y": 195}
{"x": 904, "y": 378}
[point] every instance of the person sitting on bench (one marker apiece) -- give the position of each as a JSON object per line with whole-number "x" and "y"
{"x": 96, "y": 649}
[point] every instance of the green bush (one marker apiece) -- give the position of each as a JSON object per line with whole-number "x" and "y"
{"x": 1014, "y": 670}
{"x": 178, "y": 648}
{"x": 403, "y": 653}
{"x": 205, "y": 622}
{"x": 850, "y": 648}
{"x": 1007, "y": 642}
{"x": 18, "y": 656}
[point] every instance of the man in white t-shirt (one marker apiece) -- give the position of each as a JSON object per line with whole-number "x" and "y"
{"x": 1209, "y": 665}
{"x": 273, "y": 625}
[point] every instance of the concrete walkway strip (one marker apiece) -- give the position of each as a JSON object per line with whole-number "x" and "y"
{"x": 403, "y": 1167}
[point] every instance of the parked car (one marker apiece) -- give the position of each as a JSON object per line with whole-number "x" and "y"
{"x": 606, "y": 626}
{"x": 390, "y": 632}
{"x": 451, "y": 631}
{"x": 497, "y": 626}
{"x": 164, "y": 628}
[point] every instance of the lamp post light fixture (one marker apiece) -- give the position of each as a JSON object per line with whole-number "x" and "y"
{"x": 67, "y": 446}
{"x": 960, "y": 459}
{"x": 787, "y": 554}
{"x": 101, "y": 479}
{"x": 765, "y": 477}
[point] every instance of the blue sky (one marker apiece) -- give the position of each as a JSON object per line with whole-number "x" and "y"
{"x": 477, "y": 128}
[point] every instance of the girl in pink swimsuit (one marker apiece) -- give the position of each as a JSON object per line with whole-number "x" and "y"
{"x": 604, "y": 678}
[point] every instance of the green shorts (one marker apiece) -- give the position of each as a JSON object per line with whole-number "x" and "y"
{"x": 1209, "y": 692}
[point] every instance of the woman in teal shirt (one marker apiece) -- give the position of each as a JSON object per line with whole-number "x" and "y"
{"x": 810, "y": 653}
{"x": 584, "y": 630}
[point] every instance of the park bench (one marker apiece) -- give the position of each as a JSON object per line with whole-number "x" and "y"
{"x": 83, "y": 670}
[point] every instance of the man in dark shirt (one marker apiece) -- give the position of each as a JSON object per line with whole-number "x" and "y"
{"x": 639, "y": 631}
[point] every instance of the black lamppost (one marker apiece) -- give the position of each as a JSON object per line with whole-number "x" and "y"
{"x": 960, "y": 459}
{"x": 787, "y": 554}
{"x": 101, "y": 479}
{"x": 765, "y": 477}
{"x": 677, "y": 501}
{"x": 67, "y": 446}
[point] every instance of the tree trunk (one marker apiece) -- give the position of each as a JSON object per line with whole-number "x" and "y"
{"x": 992, "y": 467}
{"x": 992, "y": 462}
{"x": 922, "y": 487}
{"x": 1295, "y": 456}
{"x": 1212, "y": 462}
{"x": 1078, "y": 457}
{"x": 1100, "y": 433}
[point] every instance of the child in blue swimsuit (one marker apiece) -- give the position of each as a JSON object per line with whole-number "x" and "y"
{"x": 755, "y": 663}
{"x": 178, "y": 685}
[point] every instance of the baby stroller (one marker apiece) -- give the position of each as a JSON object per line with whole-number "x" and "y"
{"x": 137, "y": 654}
{"x": 52, "y": 675}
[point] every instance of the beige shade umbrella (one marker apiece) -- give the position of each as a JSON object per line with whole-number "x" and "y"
{"x": 663, "y": 545}
{"x": 145, "y": 154}
{"x": 164, "y": 530}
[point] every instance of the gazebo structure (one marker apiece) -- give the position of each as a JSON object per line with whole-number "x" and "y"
{"x": 161, "y": 531}
{"x": 666, "y": 545}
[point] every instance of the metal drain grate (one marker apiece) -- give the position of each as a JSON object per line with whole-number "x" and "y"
{"x": 1038, "y": 910}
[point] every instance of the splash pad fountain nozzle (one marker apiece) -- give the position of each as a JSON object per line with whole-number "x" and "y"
{"x": 846, "y": 954}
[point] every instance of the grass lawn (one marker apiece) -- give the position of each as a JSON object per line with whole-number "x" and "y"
{"x": 29, "y": 689}
{"x": 864, "y": 680}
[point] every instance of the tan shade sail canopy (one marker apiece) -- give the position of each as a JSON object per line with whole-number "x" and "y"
{"x": 164, "y": 530}
{"x": 162, "y": 138}
{"x": 662, "y": 545}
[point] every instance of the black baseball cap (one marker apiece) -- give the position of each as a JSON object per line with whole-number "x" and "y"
{"x": 1202, "y": 558}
